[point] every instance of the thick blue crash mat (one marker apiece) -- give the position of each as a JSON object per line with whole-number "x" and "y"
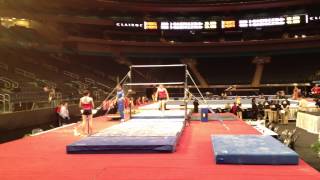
{"x": 251, "y": 149}
{"x": 129, "y": 144}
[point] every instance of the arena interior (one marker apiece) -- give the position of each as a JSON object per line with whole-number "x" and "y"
{"x": 160, "y": 89}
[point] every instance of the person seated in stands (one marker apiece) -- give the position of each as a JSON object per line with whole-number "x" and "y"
{"x": 234, "y": 108}
{"x": 64, "y": 112}
{"x": 254, "y": 109}
{"x": 278, "y": 95}
{"x": 279, "y": 108}
{"x": 274, "y": 112}
{"x": 239, "y": 111}
{"x": 282, "y": 94}
{"x": 261, "y": 96}
{"x": 275, "y": 109}
{"x": 315, "y": 91}
{"x": 267, "y": 110}
{"x": 260, "y": 110}
{"x": 46, "y": 89}
{"x": 162, "y": 96}
{"x": 195, "y": 106}
{"x": 224, "y": 95}
{"x": 285, "y": 111}
{"x": 296, "y": 94}
{"x": 208, "y": 95}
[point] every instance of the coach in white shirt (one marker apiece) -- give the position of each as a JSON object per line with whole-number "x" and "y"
{"x": 64, "y": 112}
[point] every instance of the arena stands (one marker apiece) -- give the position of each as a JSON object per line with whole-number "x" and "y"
{"x": 24, "y": 78}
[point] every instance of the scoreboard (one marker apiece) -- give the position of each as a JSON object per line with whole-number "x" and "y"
{"x": 223, "y": 23}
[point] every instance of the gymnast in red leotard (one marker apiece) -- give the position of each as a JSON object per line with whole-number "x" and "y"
{"x": 162, "y": 96}
{"x": 86, "y": 104}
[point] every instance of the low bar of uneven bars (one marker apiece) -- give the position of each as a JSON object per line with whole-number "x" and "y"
{"x": 146, "y": 84}
{"x": 162, "y": 65}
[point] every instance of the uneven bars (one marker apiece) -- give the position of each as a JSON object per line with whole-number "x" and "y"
{"x": 146, "y": 84}
{"x": 162, "y": 65}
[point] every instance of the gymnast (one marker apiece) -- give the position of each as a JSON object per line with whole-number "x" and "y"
{"x": 120, "y": 100}
{"x": 86, "y": 104}
{"x": 162, "y": 96}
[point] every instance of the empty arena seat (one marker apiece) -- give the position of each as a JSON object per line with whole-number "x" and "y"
{"x": 251, "y": 149}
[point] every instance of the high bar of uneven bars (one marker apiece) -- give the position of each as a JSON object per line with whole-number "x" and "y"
{"x": 162, "y": 65}
{"x": 146, "y": 84}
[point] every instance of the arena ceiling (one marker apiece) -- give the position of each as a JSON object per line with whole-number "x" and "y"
{"x": 147, "y": 6}
{"x": 56, "y": 14}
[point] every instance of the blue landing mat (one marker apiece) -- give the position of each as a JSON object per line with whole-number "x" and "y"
{"x": 251, "y": 149}
{"x": 101, "y": 144}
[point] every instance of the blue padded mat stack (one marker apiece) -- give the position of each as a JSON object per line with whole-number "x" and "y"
{"x": 154, "y": 132}
{"x": 251, "y": 149}
{"x": 115, "y": 144}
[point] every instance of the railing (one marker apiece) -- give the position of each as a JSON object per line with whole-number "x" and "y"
{"x": 25, "y": 73}
{"x": 113, "y": 78}
{"x": 6, "y": 83}
{"x": 99, "y": 73}
{"x": 4, "y": 66}
{"x": 10, "y": 84}
{"x": 89, "y": 80}
{"x": 50, "y": 67}
{"x": 31, "y": 61}
{"x": 61, "y": 59}
{"x": 80, "y": 84}
{"x": 71, "y": 75}
{"x": 5, "y": 100}
{"x": 48, "y": 83}
{"x": 103, "y": 85}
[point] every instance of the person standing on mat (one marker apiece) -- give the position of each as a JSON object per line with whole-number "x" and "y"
{"x": 162, "y": 96}
{"x": 120, "y": 102}
{"x": 86, "y": 104}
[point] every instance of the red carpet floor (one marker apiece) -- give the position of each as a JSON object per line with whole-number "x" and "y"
{"x": 44, "y": 157}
